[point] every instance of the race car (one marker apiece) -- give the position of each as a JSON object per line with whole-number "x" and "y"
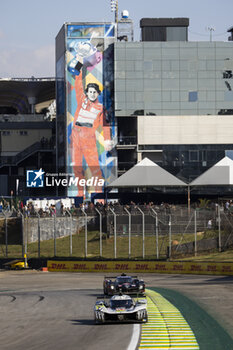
{"x": 120, "y": 308}
{"x": 125, "y": 284}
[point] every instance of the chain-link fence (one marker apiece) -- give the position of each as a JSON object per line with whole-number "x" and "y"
{"x": 115, "y": 232}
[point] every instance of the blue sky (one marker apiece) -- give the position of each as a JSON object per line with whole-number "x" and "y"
{"x": 28, "y": 27}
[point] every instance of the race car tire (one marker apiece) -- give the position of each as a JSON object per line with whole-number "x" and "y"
{"x": 145, "y": 318}
{"x": 103, "y": 319}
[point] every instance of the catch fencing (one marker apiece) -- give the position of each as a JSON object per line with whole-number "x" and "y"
{"x": 116, "y": 232}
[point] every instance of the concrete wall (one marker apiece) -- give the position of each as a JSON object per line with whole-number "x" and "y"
{"x": 62, "y": 226}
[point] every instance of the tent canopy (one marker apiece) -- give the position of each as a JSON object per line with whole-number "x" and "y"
{"x": 219, "y": 174}
{"x": 146, "y": 174}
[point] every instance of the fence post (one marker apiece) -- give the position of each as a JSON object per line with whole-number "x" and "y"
{"x": 38, "y": 216}
{"x": 143, "y": 232}
{"x": 100, "y": 215}
{"x": 54, "y": 236}
{"x": 85, "y": 231}
{"x": 219, "y": 230}
{"x": 170, "y": 236}
{"x": 129, "y": 231}
{"x": 195, "y": 233}
{"x": 6, "y": 233}
{"x": 71, "y": 219}
{"x": 115, "y": 242}
{"x": 156, "y": 233}
{"x": 22, "y": 228}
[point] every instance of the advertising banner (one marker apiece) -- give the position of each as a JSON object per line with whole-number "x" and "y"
{"x": 201, "y": 268}
{"x": 91, "y": 131}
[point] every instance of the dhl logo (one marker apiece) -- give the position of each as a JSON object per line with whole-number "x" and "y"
{"x": 122, "y": 266}
{"x": 80, "y": 267}
{"x": 142, "y": 267}
{"x": 59, "y": 266}
{"x": 100, "y": 266}
{"x": 211, "y": 268}
{"x": 196, "y": 268}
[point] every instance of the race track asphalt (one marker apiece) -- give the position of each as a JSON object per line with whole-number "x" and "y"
{"x": 44, "y": 310}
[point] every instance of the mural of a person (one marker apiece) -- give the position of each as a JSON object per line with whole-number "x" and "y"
{"x": 89, "y": 118}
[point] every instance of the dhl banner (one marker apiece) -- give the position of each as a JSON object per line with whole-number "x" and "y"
{"x": 202, "y": 268}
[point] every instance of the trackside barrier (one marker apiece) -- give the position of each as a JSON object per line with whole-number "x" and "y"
{"x": 202, "y": 268}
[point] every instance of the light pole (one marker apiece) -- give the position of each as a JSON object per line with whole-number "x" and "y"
{"x": 114, "y": 8}
{"x": 211, "y": 30}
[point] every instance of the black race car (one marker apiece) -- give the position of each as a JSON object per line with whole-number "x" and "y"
{"x": 123, "y": 283}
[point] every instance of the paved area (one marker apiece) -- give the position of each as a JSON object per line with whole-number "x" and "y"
{"x": 55, "y": 310}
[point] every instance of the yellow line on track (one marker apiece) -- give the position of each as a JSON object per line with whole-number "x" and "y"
{"x": 166, "y": 328}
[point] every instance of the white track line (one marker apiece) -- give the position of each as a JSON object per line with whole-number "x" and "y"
{"x": 135, "y": 337}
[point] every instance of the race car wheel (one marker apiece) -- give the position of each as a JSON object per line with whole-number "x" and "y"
{"x": 145, "y": 319}
{"x": 103, "y": 318}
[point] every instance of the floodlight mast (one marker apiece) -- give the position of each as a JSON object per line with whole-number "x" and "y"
{"x": 114, "y": 8}
{"x": 211, "y": 30}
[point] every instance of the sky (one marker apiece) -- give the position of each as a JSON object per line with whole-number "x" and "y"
{"x": 28, "y": 27}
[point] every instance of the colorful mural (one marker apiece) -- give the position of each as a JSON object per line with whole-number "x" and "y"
{"x": 91, "y": 131}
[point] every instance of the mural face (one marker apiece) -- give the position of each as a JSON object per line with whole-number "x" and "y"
{"x": 91, "y": 128}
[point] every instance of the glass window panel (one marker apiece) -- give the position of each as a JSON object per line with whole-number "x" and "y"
{"x": 229, "y": 153}
{"x": 228, "y": 95}
{"x": 193, "y": 156}
{"x": 157, "y": 65}
{"x": 148, "y": 65}
{"x": 193, "y": 96}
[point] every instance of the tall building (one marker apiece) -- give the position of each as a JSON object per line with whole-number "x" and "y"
{"x": 167, "y": 99}
{"x": 86, "y": 129}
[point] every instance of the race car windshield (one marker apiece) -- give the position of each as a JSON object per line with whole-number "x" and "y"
{"x": 121, "y": 303}
{"x": 124, "y": 280}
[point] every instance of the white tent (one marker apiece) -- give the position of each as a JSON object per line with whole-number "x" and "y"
{"x": 220, "y": 174}
{"x": 146, "y": 174}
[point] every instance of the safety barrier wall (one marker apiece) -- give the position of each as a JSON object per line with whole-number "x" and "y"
{"x": 202, "y": 268}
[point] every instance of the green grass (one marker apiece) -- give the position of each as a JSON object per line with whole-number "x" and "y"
{"x": 226, "y": 256}
{"x": 93, "y": 247}
{"x": 108, "y": 252}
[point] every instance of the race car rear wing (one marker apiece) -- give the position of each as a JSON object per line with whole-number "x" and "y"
{"x": 109, "y": 277}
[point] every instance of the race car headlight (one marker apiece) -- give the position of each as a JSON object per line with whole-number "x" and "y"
{"x": 140, "y": 287}
{"x": 112, "y": 287}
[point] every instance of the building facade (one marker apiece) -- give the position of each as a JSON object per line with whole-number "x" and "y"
{"x": 27, "y": 133}
{"x": 173, "y": 99}
{"x": 177, "y": 99}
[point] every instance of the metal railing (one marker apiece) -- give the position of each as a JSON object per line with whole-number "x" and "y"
{"x": 116, "y": 232}
{"x": 14, "y": 160}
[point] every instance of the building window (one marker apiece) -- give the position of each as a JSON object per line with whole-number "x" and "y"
{"x": 193, "y": 156}
{"x": 229, "y": 153}
{"x": 23, "y": 133}
{"x": 192, "y": 96}
{"x": 228, "y": 96}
